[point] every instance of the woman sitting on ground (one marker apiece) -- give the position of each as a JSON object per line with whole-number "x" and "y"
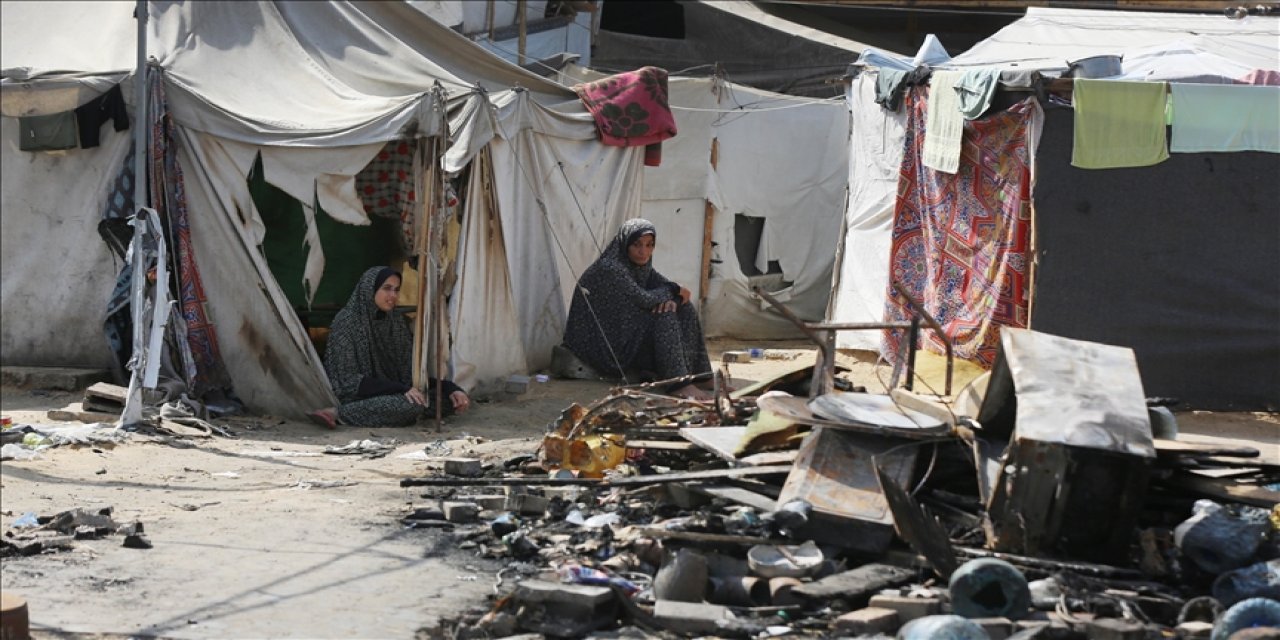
{"x": 626, "y": 316}
{"x": 368, "y": 359}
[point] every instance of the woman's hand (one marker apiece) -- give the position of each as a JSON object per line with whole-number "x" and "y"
{"x": 415, "y": 396}
{"x": 460, "y": 401}
{"x": 665, "y": 307}
{"x": 685, "y": 295}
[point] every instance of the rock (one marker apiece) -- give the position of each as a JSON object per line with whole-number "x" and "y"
{"x": 465, "y": 467}
{"x": 137, "y": 541}
{"x": 867, "y": 621}
{"x": 690, "y": 617}
{"x": 563, "y": 609}
{"x": 461, "y": 512}
{"x": 683, "y": 577}
{"x": 856, "y": 584}
{"x": 908, "y": 608}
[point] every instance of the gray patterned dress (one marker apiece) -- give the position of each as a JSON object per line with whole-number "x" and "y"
{"x": 368, "y": 359}
{"x": 612, "y": 326}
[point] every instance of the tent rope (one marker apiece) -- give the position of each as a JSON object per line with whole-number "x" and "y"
{"x": 546, "y": 218}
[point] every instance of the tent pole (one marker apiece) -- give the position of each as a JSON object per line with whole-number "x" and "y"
{"x": 523, "y": 21}
{"x": 132, "y": 412}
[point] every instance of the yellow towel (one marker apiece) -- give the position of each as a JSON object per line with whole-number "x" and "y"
{"x": 944, "y": 124}
{"x": 1118, "y": 124}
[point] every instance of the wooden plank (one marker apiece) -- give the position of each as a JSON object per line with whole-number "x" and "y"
{"x": 1184, "y": 448}
{"x": 632, "y": 481}
{"x": 736, "y": 494}
{"x": 769, "y": 458}
{"x": 709, "y": 538}
{"x": 107, "y": 393}
{"x": 665, "y": 445}
{"x": 1225, "y": 489}
{"x": 64, "y": 415}
{"x": 720, "y": 441}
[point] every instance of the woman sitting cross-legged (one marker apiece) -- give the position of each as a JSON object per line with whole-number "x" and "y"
{"x": 627, "y": 316}
{"x": 369, "y": 361}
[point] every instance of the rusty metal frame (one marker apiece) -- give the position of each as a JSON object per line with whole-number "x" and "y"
{"x": 823, "y": 334}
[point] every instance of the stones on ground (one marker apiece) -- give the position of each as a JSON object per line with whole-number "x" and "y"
{"x": 137, "y": 541}
{"x": 563, "y": 609}
{"x": 690, "y": 617}
{"x": 464, "y": 467}
{"x": 867, "y": 621}
{"x": 908, "y": 608}
{"x": 857, "y": 584}
{"x": 461, "y": 512}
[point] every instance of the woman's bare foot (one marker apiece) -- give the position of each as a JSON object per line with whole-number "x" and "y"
{"x": 691, "y": 392}
{"x": 327, "y": 418}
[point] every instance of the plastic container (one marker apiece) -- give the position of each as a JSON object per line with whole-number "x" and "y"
{"x": 1261, "y": 580}
{"x": 1247, "y": 614}
{"x": 989, "y": 588}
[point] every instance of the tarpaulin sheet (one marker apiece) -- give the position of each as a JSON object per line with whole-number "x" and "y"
{"x": 1176, "y": 261}
{"x": 875, "y": 157}
{"x": 961, "y": 242}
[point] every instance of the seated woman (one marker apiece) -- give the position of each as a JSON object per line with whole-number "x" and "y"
{"x": 368, "y": 360}
{"x": 627, "y": 316}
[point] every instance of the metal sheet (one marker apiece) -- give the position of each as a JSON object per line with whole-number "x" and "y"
{"x": 920, "y": 529}
{"x": 1077, "y": 393}
{"x": 835, "y": 473}
{"x": 797, "y": 409}
{"x": 871, "y": 409}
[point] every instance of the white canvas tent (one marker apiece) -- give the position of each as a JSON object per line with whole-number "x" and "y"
{"x": 1186, "y": 294}
{"x": 779, "y": 160}
{"x": 316, "y": 88}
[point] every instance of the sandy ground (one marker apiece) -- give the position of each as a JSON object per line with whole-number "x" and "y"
{"x": 265, "y": 536}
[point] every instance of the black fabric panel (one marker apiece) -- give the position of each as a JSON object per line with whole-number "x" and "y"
{"x": 1179, "y": 261}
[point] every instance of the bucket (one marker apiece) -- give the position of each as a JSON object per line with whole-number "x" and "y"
{"x": 1094, "y": 67}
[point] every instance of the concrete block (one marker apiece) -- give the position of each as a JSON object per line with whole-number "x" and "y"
{"x": 997, "y": 628}
{"x": 517, "y": 384}
{"x": 557, "y": 609}
{"x": 527, "y": 504}
{"x": 461, "y": 512}
{"x": 690, "y": 617}
{"x": 735, "y": 356}
{"x": 489, "y": 503}
{"x": 465, "y": 467}
{"x": 868, "y": 621}
{"x": 1194, "y": 630}
{"x": 1116, "y": 629}
{"x": 61, "y": 378}
{"x": 908, "y": 608}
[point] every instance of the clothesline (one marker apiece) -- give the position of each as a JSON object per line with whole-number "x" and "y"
{"x": 744, "y": 108}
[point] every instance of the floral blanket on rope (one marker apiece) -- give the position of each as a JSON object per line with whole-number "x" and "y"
{"x": 960, "y": 242}
{"x": 631, "y": 110}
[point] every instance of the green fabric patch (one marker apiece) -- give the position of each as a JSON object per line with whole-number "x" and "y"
{"x": 348, "y": 249}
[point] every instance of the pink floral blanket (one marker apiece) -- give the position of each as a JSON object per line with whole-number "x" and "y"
{"x": 630, "y": 109}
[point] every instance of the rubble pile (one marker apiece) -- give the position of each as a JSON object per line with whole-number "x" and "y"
{"x": 32, "y": 535}
{"x": 1051, "y": 512}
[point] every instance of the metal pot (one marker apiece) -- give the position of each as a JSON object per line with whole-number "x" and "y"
{"x": 1094, "y": 67}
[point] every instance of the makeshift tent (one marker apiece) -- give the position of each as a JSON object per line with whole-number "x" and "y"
{"x": 753, "y": 47}
{"x": 314, "y": 90}
{"x": 749, "y": 193}
{"x": 1176, "y": 260}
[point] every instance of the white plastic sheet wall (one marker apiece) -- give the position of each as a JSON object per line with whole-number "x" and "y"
{"x": 875, "y": 155}
{"x": 58, "y": 273}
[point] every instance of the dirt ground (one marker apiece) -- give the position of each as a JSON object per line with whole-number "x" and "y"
{"x": 265, "y": 536}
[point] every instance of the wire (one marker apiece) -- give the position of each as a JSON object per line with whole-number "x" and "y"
{"x": 744, "y": 109}
{"x": 542, "y": 206}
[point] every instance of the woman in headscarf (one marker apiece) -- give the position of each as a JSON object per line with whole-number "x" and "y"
{"x": 368, "y": 359}
{"x": 627, "y": 316}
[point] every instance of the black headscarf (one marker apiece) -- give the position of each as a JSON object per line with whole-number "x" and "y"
{"x": 366, "y": 342}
